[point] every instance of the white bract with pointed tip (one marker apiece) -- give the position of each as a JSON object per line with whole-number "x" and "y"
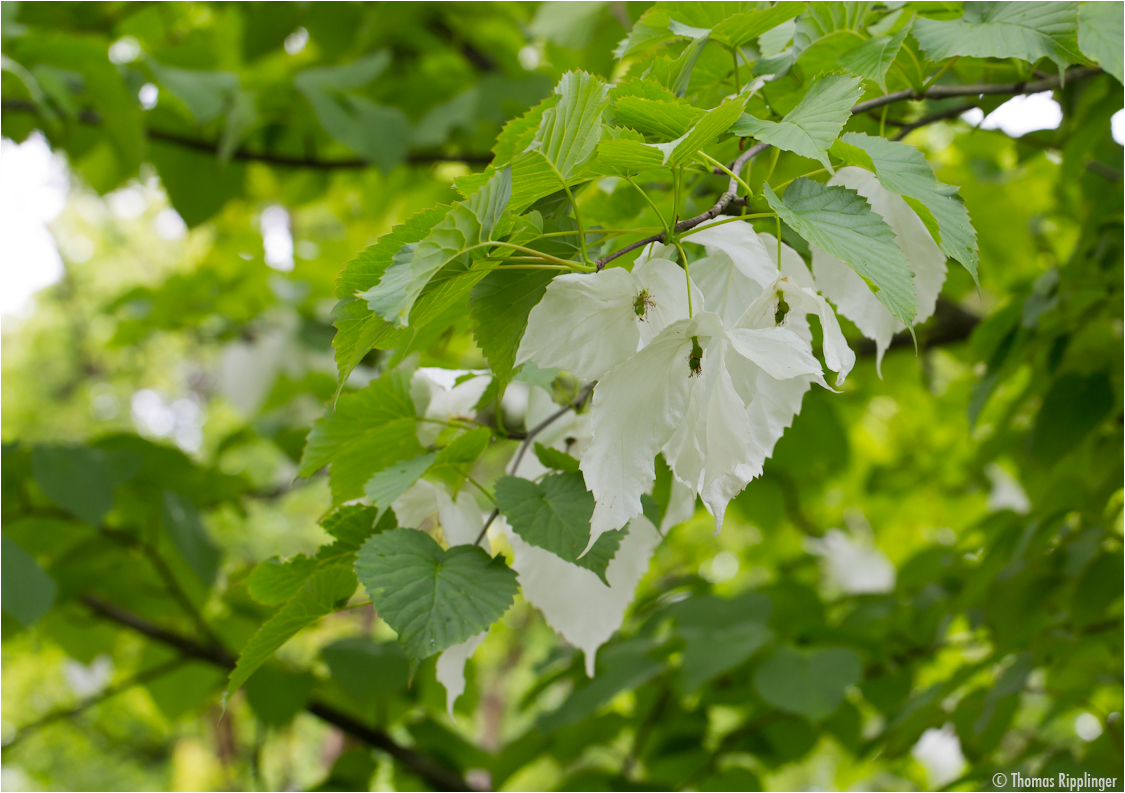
{"x": 574, "y": 601}
{"x": 451, "y": 668}
{"x": 851, "y": 294}
{"x": 439, "y": 398}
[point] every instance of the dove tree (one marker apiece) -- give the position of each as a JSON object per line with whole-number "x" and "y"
{"x": 667, "y": 266}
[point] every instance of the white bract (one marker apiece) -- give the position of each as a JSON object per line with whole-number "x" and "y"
{"x": 439, "y": 398}
{"x": 853, "y": 565}
{"x": 424, "y": 504}
{"x": 574, "y": 601}
{"x": 851, "y": 294}
{"x": 589, "y": 323}
{"x": 451, "y": 668}
{"x": 568, "y": 433}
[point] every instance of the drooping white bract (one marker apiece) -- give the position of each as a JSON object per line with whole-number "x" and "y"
{"x": 451, "y": 668}
{"x": 851, "y": 294}
{"x": 664, "y": 391}
{"x": 574, "y": 601}
{"x": 438, "y": 396}
{"x": 589, "y": 323}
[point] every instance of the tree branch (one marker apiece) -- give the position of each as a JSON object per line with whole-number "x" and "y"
{"x": 91, "y": 118}
{"x": 936, "y": 92}
{"x": 950, "y": 324}
{"x": 426, "y": 767}
{"x": 140, "y": 678}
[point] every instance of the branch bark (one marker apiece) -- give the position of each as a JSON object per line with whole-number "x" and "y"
{"x": 436, "y": 774}
{"x": 91, "y": 118}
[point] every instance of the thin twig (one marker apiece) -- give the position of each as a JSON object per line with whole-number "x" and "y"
{"x": 424, "y": 766}
{"x": 935, "y": 92}
{"x": 66, "y": 713}
{"x": 92, "y": 118}
{"x": 953, "y": 112}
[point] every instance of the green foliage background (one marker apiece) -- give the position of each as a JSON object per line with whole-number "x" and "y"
{"x": 743, "y": 663}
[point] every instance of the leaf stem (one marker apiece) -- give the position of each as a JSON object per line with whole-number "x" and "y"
{"x": 708, "y": 158}
{"x": 687, "y": 276}
{"x": 689, "y": 232}
{"x": 478, "y": 485}
{"x": 539, "y": 254}
{"x": 651, "y": 203}
{"x": 783, "y": 185}
{"x": 578, "y": 220}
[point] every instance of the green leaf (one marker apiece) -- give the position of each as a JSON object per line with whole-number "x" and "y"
{"x": 273, "y": 582}
{"x": 553, "y": 514}
{"x": 902, "y": 168}
{"x": 553, "y": 458}
{"x": 716, "y": 121}
{"x": 630, "y": 156}
{"x": 367, "y": 670}
{"x": 465, "y": 448}
{"x": 372, "y": 131}
{"x": 676, "y": 74}
{"x": 736, "y": 30}
{"x": 82, "y": 480}
{"x": 499, "y": 306}
{"x": 569, "y": 131}
{"x": 669, "y": 118}
{"x": 433, "y": 598}
{"x": 277, "y": 695}
{"x": 206, "y": 94}
{"x": 197, "y": 183}
{"x": 719, "y": 635}
{"x": 359, "y": 330}
{"x": 808, "y": 683}
{"x": 1028, "y": 31}
{"x": 626, "y": 666}
{"x": 518, "y": 134}
{"x": 385, "y": 486}
{"x": 841, "y": 222}
{"x": 871, "y": 59}
{"x": 189, "y": 537}
{"x": 1100, "y": 35}
{"x": 597, "y": 559}
{"x": 369, "y": 430}
{"x": 810, "y": 128}
{"x": 327, "y": 590}
{"x": 1071, "y": 409}
{"x": 468, "y": 224}
{"x": 365, "y": 270}
{"x": 28, "y": 592}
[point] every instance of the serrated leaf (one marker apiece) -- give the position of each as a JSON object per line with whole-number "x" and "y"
{"x": 553, "y": 458}
{"x": 714, "y": 123}
{"x": 871, "y": 59}
{"x": 369, "y": 430}
{"x": 810, "y": 128}
{"x": 465, "y": 448}
{"x": 1100, "y": 35}
{"x": 359, "y": 330}
{"x": 667, "y": 118}
{"x": 675, "y": 74}
{"x": 903, "y": 169}
{"x": 388, "y": 484}
{"x": 553, "y": 514}
{"x": 736, "y": 30}
{"x": 326, "y": 590}
{"x": 433, "y": 598}
{"x": 569, "y": 131}
{"x": 365, "y": 270}
{"x": 518, "y": 134}
{"x": 842, "y": 223}
{"x": 630, "y": 156}
{"x": 273, "y": 581}
{"x": 499, "y": 305}
{"x": 1028, "y": 31}
{"x": 469, "y": 224}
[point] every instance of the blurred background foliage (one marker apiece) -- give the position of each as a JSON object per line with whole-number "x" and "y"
{"x": 924, "y": 587}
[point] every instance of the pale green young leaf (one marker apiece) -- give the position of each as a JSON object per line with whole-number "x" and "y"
{"x": 359, "y": 330}
{"x": 553, "y": 458}
{"x": 903, "y": 169}
{"x": 468, "y": 225}
{"x": 1100, "y": 35}
{"x": 388, "y": 484}
{"x": 368, "y": 430}
{"x": 433, "y": 598}
{"x": 1028, "y": 31}
{"x": 736, "y": 30}
{"x": 810, "y": 128}
{"x": 871, "y": 59}
{"x": 630, "y": 156}
{"x": 841, "y": 222}
{"x": 465, "y": 448}
{"x": 553, "y": 514}
{"x": 668, "y": 118}
{"x": 569, "y": 132}
{"x": 716, "y": 121}
{"x": 206, "y": 94}
{"x": 326, "y": 590}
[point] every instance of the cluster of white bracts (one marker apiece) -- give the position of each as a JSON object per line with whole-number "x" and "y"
{"x": 715, "y": 419}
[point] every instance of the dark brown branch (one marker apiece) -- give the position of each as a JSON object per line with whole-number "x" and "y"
{"x": 953, "y": 112}
{"x": 426, "y": 767}
{"x": 242, "y": 155}
{"x": 138, "y": 679}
